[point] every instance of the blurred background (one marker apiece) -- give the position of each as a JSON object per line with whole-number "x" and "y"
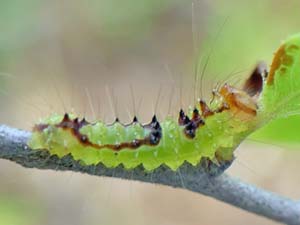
{"x": 108, "y": 58}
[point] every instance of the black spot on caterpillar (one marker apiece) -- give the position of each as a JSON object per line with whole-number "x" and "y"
{"x": 208, "y": 131}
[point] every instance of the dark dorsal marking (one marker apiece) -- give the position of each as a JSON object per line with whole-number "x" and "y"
{"x": 182, "y": 119}
{"x": 75, "y": 125}
{"x": 254, "y": 84}
{"x": 206, "y": 112}
{"x": 190, "y": 125}
{"x": 252, "y": 87}
{"x": 135, "y": 120}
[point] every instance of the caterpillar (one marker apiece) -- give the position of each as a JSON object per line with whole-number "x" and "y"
{"x": 210, "y": 130}
{"x": 207, "y": 131}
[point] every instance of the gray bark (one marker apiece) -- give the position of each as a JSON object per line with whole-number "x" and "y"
{"x": 207, "y": 180}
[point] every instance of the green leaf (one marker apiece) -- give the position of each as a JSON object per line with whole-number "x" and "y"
{"x": 283, "y": 131}
{"x": 280, "y": 100}
{"x": 281, "y": 93}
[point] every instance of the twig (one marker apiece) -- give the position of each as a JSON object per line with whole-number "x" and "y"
{"x": 197, "y": 179}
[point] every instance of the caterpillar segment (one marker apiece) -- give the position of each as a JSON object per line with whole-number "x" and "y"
{"x": 209, "y": 131}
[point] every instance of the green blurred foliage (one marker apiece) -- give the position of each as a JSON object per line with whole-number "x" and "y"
{"x": 252, "y": 32}
{"x": 252, "y": 29}
{"x": 14, "y": 210}
{"x": 113, "y": 16}
{"x": 16, "y": 22}
{"x": 16, "y": 19}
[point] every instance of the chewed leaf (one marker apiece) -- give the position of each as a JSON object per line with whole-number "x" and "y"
{"x": 210, "y": 131}
{"x": 281, "y": 94}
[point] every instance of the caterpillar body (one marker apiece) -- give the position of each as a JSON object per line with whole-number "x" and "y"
{"x": 210, "y": 131}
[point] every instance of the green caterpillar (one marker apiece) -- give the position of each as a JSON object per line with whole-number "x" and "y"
{"x": 210, "y": 131}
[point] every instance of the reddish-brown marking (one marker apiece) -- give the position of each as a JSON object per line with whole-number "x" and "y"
{"x": 292, "y": 47}
{"x": 280, "y": 58}
{"x": 40, "y": 127}
{"x": 275, "y": 64}
{"x": 254, "y": 84}
{"x": 73, "y": 126}
{"x": 222, "y": 108}
{"x": 233, "y": 98}
{"x": 83, "y": 139}
{"x": 190, "y": 125}
{"x": 283, "y": 70}
{"x": 196, "y": 115}
{"x": 206, "y": 112}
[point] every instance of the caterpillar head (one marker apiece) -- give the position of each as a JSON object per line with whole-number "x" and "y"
{"x": 244, "y": 101}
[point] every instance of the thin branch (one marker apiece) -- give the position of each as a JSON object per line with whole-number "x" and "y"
{"x": 197, "y": 179}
